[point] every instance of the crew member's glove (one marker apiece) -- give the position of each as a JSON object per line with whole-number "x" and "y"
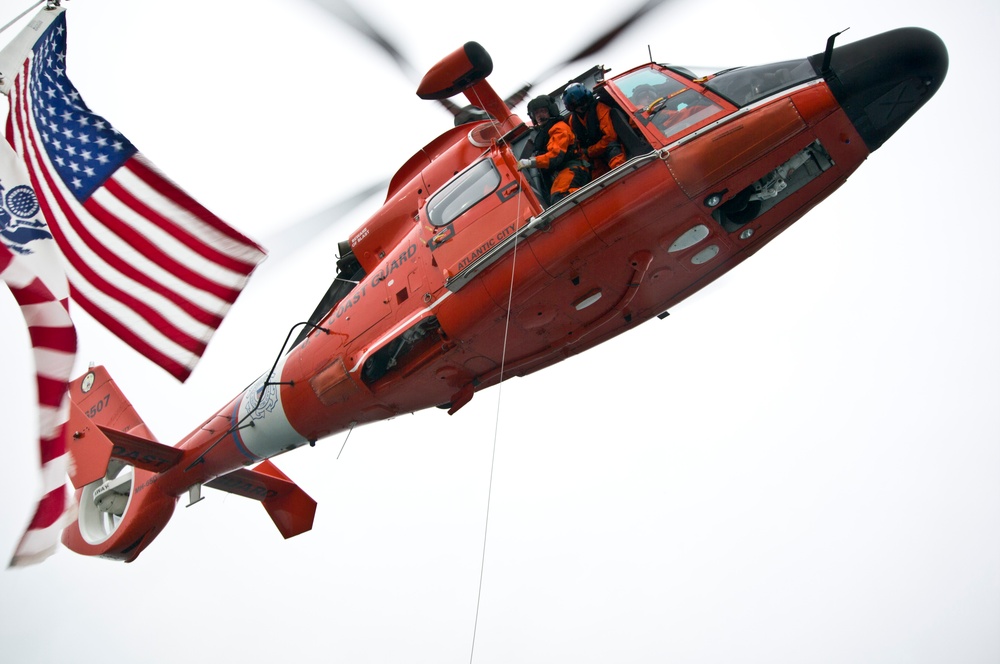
{"x": 525, "y": 163}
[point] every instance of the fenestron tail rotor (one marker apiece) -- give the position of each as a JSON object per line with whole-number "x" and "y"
{"x": 103, "y": 503}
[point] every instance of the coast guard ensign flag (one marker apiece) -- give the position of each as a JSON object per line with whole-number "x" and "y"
{"x": 142, "y": 257}
{"x": 30, "y": 266}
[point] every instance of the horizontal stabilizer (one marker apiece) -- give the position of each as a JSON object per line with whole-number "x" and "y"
{"x": 93, "y": 446}
{"x": 142, "y": 452}
{"x": 291, "y": 508}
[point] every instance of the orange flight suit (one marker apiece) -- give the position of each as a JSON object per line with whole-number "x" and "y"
{"x": 561, "y": 158}
{"x": 598, "y": 138}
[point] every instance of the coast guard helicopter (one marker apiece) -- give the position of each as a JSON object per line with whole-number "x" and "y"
{"x": 468, "y": 276}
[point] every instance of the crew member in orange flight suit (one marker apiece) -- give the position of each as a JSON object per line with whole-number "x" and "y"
{"x": 591, "y": 122}
{"x": 556, "y": 152}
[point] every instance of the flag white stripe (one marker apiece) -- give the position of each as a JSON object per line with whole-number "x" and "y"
{"x": 53, "y": 364}
{"x": 40, "y": 543}
{"x": 54, "y": 473}
{"x": 46, "y": 314}
{"x": 36, "y": 546}
{"x": 51, "y": 418}
{"x": 16, "y": 275}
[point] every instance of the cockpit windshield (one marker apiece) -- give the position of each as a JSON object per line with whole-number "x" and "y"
{"x": 668, "y": 104}
{"x": 746, "y": 85}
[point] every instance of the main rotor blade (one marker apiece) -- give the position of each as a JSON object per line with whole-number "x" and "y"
{"x": 283, "y": 244}
{"x": 614, "y": 32}
{"x": 346, "y": 13}
{"x": 598, "y": 44}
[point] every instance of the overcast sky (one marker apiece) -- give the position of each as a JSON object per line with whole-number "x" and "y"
{"x": 801, "y": 464}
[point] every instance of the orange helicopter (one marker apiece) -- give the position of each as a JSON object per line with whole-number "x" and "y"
{"x": 468, "y": 275}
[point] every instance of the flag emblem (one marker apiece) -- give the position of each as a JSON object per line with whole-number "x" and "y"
{"x": 20, "y": 224}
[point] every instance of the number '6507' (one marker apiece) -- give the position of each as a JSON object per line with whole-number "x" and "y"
{"x": 99, "y": 406}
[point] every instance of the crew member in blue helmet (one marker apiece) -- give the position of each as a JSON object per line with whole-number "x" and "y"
{"x": 591, "y": 123}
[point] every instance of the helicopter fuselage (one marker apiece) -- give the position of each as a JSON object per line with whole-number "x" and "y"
{"x": 466, "y": 276}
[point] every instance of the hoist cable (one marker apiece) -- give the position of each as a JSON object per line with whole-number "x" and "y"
{"x": 496, "y": 429}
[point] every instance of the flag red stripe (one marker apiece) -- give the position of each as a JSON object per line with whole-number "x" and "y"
{"x": 34, "y": 293}
{"x": 53, "y": 338}
{"x": 50, "y": 508}
{"x": 55, "y": 447}
{"x": 50, "y": 391}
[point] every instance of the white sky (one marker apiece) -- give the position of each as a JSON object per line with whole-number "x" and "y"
{"x": 801, "y": 464}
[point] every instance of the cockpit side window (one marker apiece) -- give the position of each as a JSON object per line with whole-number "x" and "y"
{"x": 746, "y": 85}
{"x": 470, "y": 187}
{"x": 668, "y": 104}
{"x": 645, "y": 86}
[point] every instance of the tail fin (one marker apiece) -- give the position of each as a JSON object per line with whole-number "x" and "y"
{"x": 103, "y": 403}
{"x": 96, "y": 404}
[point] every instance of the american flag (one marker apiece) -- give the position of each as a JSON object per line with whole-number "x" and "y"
{"x": 29, "y": 266}
{"x": 143, "y": 258}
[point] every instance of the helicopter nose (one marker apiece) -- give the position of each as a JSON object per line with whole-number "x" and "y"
{"x": 883, "y": 80}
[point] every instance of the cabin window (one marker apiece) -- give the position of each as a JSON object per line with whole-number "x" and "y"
{"x": 471, "y": 186}
{"x": 749, "y": 84}
{"x": 668, "y": 104}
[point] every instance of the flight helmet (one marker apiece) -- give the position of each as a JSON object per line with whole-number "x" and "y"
{"x": 542, "y": 101}
{"x": 577, "y": 97}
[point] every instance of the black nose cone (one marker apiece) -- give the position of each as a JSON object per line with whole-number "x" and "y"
{"x": 881, "y": 81}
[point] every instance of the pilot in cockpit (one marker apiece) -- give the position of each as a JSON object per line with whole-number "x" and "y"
{"x": 643, "y": 95}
